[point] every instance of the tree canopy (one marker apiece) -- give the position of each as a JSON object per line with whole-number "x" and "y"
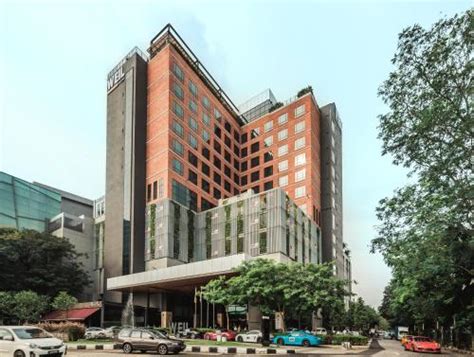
{"x": 39, "y": 262}
{"x": 425, "y": 232}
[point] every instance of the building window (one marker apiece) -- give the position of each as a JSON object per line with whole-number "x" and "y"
{"x": 205, "y": 136}
{"x": 300, "y": 143}
{"x": 217, "y": 114}
{"x": 282, "y": 134}
{"x": 205, "y": 169}
{"x": 244, "y": 152}
{"x": 217, "y": 178}
{"x": 227, "y": 186}
{"x": 193, "y": 124}
{"x": 217, "y": 146}
{"x": 236, "y": 150}
{"x": 268, "y": 126}
{"x": 282, "y": 119}
{"x": 205, "y": 204}
{"x": 283, "y": 181}
{"x": 243, "y": 166}
{"x": 148, "y": 192}
{"x": 206, "y": 119}
{"x": 256, "y": 189}
{"x": 300, "y": 191}
{"x": 206, "y": 153}
{"x": 299, "y": 111}
{"x": 178, "y": 110}
{"x": 217, "y": 131}
{"x": 227, "y": 171}
{"x": 193, "y": 89}
{"x": 299, "y": 127}
{"x": 268, "y": 171}
{"x": 244, "y": 180}
{"x": 283, "y": 165}
{"x": 228, "y": 127}
{"x": 283, "y": 150}
{"x": 193, "y": 142}
{"x": 255, "y": 147}
{"x": 177, "y": 147}
{"x": 236, "y": 165}
{"x": 268, "y": 185}
{"x": 192, "y": 159}
{"x": 205, "y": 102}
{"x": 236, "y": 136}
{"x": 236, "y": 179}
{"x": 268, "y": 156}
{"x": 205, "y": 185}
{"x": 193, "y": 106}
{"x": 255, "y": 176}
{"x": 178, "y": 91}
{"x": 161, "y": 188}
{"x": 227, "y": 156}
{"x": 227, "y": 141}
{"x": 178, "y": 72}
{"x": 178, "y": 128}
{"x": 217, "y": 162}
{"x": 192, "y": 176}
{"x": 300, "y": 175}
{"x": 178, "y": 166}
{"x": 243, "y": 138}
{"x": 268, "y": 141}
{"x": 300, "y": 159}
{"x": 255, "y": 162}
{"x": 217, "y": 194}
{"x": 155, "y": 190}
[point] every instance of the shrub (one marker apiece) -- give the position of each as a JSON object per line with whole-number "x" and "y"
{"x": 275, "y": 106}
{"x": 354, "y": 340}
{"x": 72, "y": 331}
{"x": 204, "y": 329}
{"x": 305, "y": 90}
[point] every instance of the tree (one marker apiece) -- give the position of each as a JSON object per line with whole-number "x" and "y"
{"x": 28, "y": 306}
{"x": 45, "y": 263}
{"x": 426, "y": 230}
{"x": 218, "y": 291}
{"x": 63, "y": 301}
{"x": 6, "y": 306}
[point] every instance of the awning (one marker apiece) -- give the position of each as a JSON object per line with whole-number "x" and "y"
{"x": 72, "y": 315}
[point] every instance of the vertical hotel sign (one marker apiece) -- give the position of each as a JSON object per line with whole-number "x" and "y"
{"x": 114, "y": 78}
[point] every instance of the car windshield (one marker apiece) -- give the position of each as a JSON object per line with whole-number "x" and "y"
{"x": 423, "y": 339}
{"x": 158, "y": 334}
{"x": 30, "y": 333}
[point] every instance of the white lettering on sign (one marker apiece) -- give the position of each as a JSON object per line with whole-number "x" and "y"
{"x": 179, "y": 327}
{"x": 115, "y": 78}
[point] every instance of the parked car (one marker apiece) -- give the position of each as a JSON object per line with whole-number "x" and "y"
{"x": 97, "y": 332}
{"x": 189, "y": 333}
{"x": 26, "y": 341}
{"x": 228, "y": 334}
{"x": 405, "y": 339}
{"x": 422, "y": 344}
{"x": 297, "y": 338}
{"x": 133, "y": 339}
{"x": 249, "y": 336}
{"x": 113, "y": 331}
{"x": 320, "y": 331}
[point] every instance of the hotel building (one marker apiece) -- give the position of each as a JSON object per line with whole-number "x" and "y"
{"x": 195, "y": 185}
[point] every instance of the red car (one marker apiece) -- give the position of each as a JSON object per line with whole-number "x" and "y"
{"x": 228, "y": 334}
{"x": 422, "y": 344}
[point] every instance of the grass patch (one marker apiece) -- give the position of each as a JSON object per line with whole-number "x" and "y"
{"x": 225, "y": 344}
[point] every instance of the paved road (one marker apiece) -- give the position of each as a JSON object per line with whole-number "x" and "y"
{"x": 380, "y": 348}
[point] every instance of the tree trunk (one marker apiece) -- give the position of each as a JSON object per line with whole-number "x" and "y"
{"x": 227, "y": 318}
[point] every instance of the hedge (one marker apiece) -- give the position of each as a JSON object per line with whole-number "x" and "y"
{"x": 73, "y": 330}
{"x": 339, "y": 339}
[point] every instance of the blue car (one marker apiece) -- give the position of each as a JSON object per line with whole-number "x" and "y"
{"x": 297, "y": 338}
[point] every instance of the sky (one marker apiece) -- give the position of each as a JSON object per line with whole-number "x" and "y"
{"x": 55, "y": 56}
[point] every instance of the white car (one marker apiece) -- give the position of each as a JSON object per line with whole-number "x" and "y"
{"x": 96, "y": 332}
{"x": 249, "y": 336}
{"x": 26, "y": 341}
{"x": 320, "y": 331}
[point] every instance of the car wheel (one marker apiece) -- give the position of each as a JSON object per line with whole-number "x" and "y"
{"x": 142, "y": 351}
{"x": 259, "y": 340}
{"x": 280, "y": 342}
{"x": 127, "y": 348}
{"x": 162, "y": 350}
{"x": 206, "y": 337}
{"x": 306, "y": 343}
{"x": 19, "y": 354}
{"x": 240, "y": 339}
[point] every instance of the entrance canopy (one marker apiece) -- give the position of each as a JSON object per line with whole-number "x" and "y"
{"x": 71, "y": 315}
{"x": 177, "y": 278}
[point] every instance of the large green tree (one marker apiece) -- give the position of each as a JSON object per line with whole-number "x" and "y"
{"x": 28, "y": 306}
{"x": 40, "y": 262}
{"x": 426, "y": 228}
{"x": 63, "y": 301}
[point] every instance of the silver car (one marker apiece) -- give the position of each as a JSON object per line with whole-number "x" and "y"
{"x": 145, "y": 340}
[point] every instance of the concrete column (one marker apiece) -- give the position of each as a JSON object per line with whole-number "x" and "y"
{"x": 166, "y": 318}
{"x": 254, "y": 318}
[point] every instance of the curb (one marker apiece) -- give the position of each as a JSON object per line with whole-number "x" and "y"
{"x": 198, "y": 349}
